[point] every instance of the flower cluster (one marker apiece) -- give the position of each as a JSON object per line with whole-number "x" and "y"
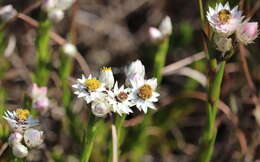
{"x": 55, "y": 8}
{"x": 105, "y": 95}
{"x": 164, "y": 30}
{"x": 21, "y": 123}
{"x": 225, "y": 22}
{"x": 39, "y": 97}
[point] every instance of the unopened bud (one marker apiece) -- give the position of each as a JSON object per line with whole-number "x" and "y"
{"x": 33, "y": 137}
{"x": 19, "y": 150}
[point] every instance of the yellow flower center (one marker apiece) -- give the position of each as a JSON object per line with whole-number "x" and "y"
{"x": 22, "y": 114}
{"x": 145, "y": 91}
{"x": 92, "y": 84}
{"x": 224, "y": 16}
{"x": 122, "y": 96}
{"x": 106, "y": 68}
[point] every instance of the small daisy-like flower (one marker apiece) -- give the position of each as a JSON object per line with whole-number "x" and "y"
{"x": 134, "y": 72}
{"x": 20, "y": 120}
{"x": 143, "y": 94}
{"x": 119, "y": 99}
{"x": 247, "y": 32}
{"x": 89, "y": 88}
{"x": 106, "y": 76}
{"x": 224, "y": 20}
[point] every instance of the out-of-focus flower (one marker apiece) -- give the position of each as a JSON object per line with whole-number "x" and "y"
{"x": 20, "y": 120}
{"x": 7, "y": 13}
{"x": 134, "y": 72}
{"x": 106, "y": 77}
{"x": 40, "y": 100}
{"x": 143, "y": 94}
{"x": 56, "y": 15}
{"x": 100, "y": 107}
{"x": 223, "y": 44}
{"x": 19, "y": 150}
{"x": 89, "y": 88}
{"x": 14, "y": 138}
{"x": 119, "y": 100}
{"x": 164, "y": 30}
{"x": 69, "y": 49}
{"x": 247, "y": 32}
{"x": 33, "y": 137}
{"x": 56, "y": 8}
{"x": 224, "y": 20}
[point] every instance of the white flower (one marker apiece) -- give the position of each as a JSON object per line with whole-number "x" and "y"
{"x": 119, "y": 99}
{"x": 69, "y": 49}
{"x": 143, "y": 94}
{"x": 49, "y": 5}
{"x": 166, "y": 26}
{"x": 20, "y": 120}
{"x": 134, "y": 72}
{"x": 224, "y": 20}
{"x": 7, "y": 13}
{"x": 19, "y": 150}
{"x": 33, "y": 137}
{"x": 223, "y": 44}
{"x": 14, "y": 138}
{"x": 247, "y": 32}
{"x": 89, "y": 88}
{"x": 100, "y": 107}
{"x": 106, "y": 76}
{"x": 39, "y": 97}
{"x": 56, "y": 15}
{"x": 164, "y": 30}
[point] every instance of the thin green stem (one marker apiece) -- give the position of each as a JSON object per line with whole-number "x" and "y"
{"x": 89, "y": 138}
{"x": 209, "y": 134}
{"x": 202, "y": 17}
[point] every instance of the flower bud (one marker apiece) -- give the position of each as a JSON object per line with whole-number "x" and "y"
{"x": 19, "y": 150}
{"x": 39, "y": 97}
{"x": 100, "y": 108}
{"x": 247, "y": 32}
{"x": 56, "y": 15}
{"x": 166, "y": 26}
{"x": 106, "y": 77}
{"x": 223, "y": 44}
{"x": 65, "y": 4}
{"x": 69, "y": 49}
{"x": 135, "y": 72}
{"x": 155, "y": 34}
{"x": 15, "y": 138}
{"x": 7, "y": 13}
{"x": 33, "y": 137}
{"x": 49, "y": 4}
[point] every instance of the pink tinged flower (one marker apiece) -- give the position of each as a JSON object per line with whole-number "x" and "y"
{"x": 39, "y": 97}
{"x": 224, "y": 20}
{"x": 247, "y": 32}
{"x": 155, "y": 34}
{"x": 14, "y": 138}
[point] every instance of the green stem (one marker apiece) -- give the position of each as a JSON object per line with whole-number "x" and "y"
{"x": 43, "y": 55}
{"x": 159, "y": 60}
{"x": 209, "y": 134}
{"x": 202, "y": 17}
{"x": 90, "y": 135}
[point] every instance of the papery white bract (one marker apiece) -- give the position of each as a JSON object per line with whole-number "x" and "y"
{"x": 119, "y": 100}
{"x": 33, "y": 137}
{"x": 88, "y": 88}
{"x": 143, "y": 94}
{"x": 19, "y": 150}
{"x": 224, "y": 20}
{"x": 7, "y": 13}
{"x": 106, "y": 77}
{"x": 134, "y": 72}
{"x": 20, "y": 120}
{"x": 223, "y": 44}
{"x": 14, "y": 138}
{"x": 100, "y": 107}
{"x": 247, "y": 32}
